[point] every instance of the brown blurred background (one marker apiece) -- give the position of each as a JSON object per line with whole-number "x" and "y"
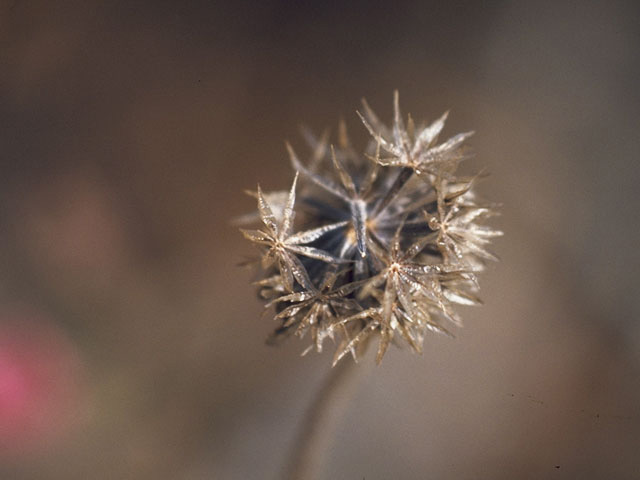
{"x": 132, "y": 346}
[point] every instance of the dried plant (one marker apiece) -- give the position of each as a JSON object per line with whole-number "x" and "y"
{"x": 387, "y": 240}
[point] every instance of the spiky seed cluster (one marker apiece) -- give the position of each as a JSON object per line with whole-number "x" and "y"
{"x": 387, "y": 241}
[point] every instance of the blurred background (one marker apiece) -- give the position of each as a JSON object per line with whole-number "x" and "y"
{"x": 131, "y": 344}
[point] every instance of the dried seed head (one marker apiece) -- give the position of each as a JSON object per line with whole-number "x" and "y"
{"x": 387, "y": 241}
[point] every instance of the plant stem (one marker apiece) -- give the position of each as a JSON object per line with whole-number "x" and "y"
{"x": 321, "y": 421}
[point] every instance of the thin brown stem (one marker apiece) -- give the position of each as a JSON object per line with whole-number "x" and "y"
{"x": 321, "y": 422}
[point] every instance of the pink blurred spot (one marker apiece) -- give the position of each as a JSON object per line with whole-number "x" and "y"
{"x": 38, "y": 383}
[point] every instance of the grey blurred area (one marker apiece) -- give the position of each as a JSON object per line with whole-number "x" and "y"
{"x": 128, "y": 132}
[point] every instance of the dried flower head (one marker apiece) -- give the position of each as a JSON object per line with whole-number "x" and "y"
{"x": 386, "y": 243}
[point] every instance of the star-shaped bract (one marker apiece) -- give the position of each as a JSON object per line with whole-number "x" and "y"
{"x": 460, "y": 239}
{"x": 413, "y": 149}
{"x": 413, "y": 284}
{"x": 316, "y": 309}
{"x": 284, "y": 247}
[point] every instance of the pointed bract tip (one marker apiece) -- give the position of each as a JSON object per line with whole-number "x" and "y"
{"x": 251, "y": 193}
